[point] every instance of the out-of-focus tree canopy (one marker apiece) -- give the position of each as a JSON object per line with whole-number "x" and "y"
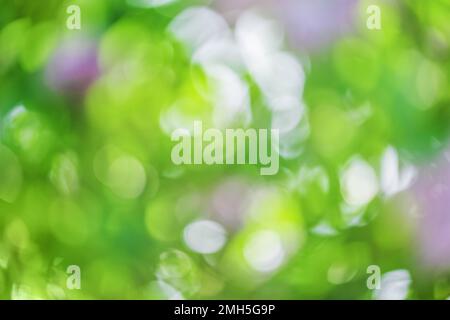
{"x": 87, "y": 180}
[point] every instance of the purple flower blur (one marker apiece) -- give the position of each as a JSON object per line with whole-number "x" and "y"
{"x": 310, "y": 24}
{"x": 230, "y": 201}
{"x": 313, "y": 24}
{"x": 73, "y": 67}
{"x": 432, "y": 192}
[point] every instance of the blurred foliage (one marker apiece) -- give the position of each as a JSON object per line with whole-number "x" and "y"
{"x": 86, "y": 176}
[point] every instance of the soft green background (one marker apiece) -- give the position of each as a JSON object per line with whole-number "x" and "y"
{"x": 88, "y": 180}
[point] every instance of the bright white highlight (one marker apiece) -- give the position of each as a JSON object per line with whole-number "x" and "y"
{"x": 392, "y": 179}
{"x": 359, "y": 183}
{"x": 394, "y": 286}
{"x": 205, "y": 236}
{"x": 264, "y": 251}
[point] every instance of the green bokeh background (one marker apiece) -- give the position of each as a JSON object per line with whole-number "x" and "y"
{"x": 86, "y": 178}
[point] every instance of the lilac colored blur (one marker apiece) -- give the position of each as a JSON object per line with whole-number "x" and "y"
{"x": 229, "y": 202}
{"x": 73, "y": 67}
{"x": 432, "y": 191}
{"x": 311, "y": 25}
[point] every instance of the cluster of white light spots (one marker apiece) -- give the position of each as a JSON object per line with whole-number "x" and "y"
{"x": 219, "y": 51}
{"x": 255, "y": 47}
{"x": 279, "y": 75}
{"x": 207, "y": 35}
{"x": 394, "y": 286}
{"x": 264, "y": 251}
{"x": 359, "y": 183}
{"x": 204, "y": 236}
{"x": 258, "y": 37}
